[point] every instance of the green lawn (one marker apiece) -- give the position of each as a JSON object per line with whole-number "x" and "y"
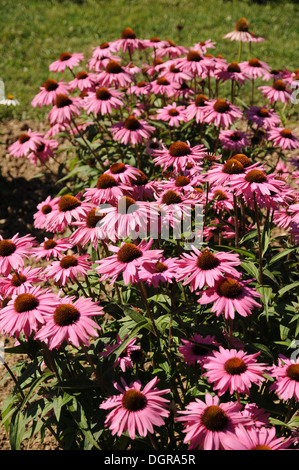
{"x": 35, "y": 32}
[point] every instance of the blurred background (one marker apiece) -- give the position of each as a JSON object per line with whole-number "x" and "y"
{"x": 35, "y": 32}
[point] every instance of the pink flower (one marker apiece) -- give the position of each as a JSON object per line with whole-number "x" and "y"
{"x": 64, "y": 109}
{"x": 277, "y": 92}
{"x": 124, "y": 359}
{"x": 51, "y": 248}
{"x": 197, "y": 349}
{"x": 102, "y": 101}
{"x": 179, "y": 155}
{"x": 200, "y": 268}
{"x": 13, "y": 251}
{"x": 43, "y": 210}
{"x": 70, "y": 321}
{"x": 128, "y": 42}
{"x": 254, "y": 68}
{"x": 128, "y": 219}
{"x": 207, "y": 423}
{"x": 258, "y": 416}
{"x": 141, "y": 88}
{"x": 43, "y": 152}
{"x": 67, "y": 268}
{"x": 283, "y": 137}
{"x": 242, "y": 33}
{"x": 69, "y": 208}
{"x": 26, "y": 143}
{"x": 136, "y": 410}
{"x": 174, "y": 115}
{"x": 194, "y": 64}
{"x": 233, "y": 140}
{"x": 222, "y": 198}
{"x": 229, "y": 296}
{"x": 114, "y": 74}
{"x": 197, "y": 109}
{"x": 172, "y": 73}
{"x": 203, "y": 46}
{"x": 127, "y": 261}
{"x": 23, "y": 277}
{"x": 162, "y": 86}
{"x": 107, "y": 191}
{"x": 262, "y": 117}
{"x": 49, "y": 91}
{"x": 66, "y": 60}
{"x": 231, "y": 72}
{"x": 221, "y": 113}
{"x": 162, "y": 271}
{"x": 170, "y": 49}
{"x": 132, "y": 130}
{"x": 83, "y": 81}
{"x": 26, "y": 311}
{"x": 226, "y": 173}
{"x": 122, "y": 172}
{"x": 233, "y": 370}
{"x": 256, "y": 439}
{"x": 286, "y": 375}
{"x": 89, "y": 229}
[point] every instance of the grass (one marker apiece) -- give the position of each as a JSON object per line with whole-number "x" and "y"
{"x": 35, "y": 32}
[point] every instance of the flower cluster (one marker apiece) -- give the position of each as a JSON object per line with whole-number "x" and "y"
{"x": 128, "y": 295}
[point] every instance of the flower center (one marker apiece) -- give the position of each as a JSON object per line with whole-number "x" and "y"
{"x": 171, "y": 43}
{"x": 286, "y": 133}
{"x": 81, "y": 75}
{"x": 179, "y": 149}
{"x": 171, "y": 197}
{"x": 141, "y": 84}
{"x": 68, "y": 262}
{"x": 65, "y": 56}
{"x": 254, "y": 62}
{"x": 235, "y": 366}
{"x": 256, "y": 176}
{"x": 162, "y": 81}
{"x": 160, "y": 267}
{"x": 106, "y": 181}
{"x": 221, "y": 106}
{"x": 234, "y": 67}
{"x": 62, "y": 100}
{"x": 293, "y": 372}
{"x": 214, "y": 418}
{"x": 198, "y": 350}
{"x": 233, "y": 167}
{"x": 155, "y": 39}
{"x": 230, "y": 288}
{"x": 50, "y": 84}
{"x": 131, "y": 123}
{"x": 242, "y": 24}
{"x": 117, "y": 168}
{"x": 23, "y": 138}
{"x": 182, "y": 181}
{"x": 241, "y": 158}
{"x": 104, "y": 45}
{"x": 18, "y": 280}
{"x": 49, "y": 244}
{"x": 92, "y": 219}
{"x": 200, "y": 101}
{"x": 206, "y": 260}
{"x": 68, "y": 203}
{"x": 279, "y": 85}
{"x": 133, "y": 400}
{"x": 65, "y": 315}
{"x": 46, "y": 209}
{"x": 25, "y": 303}
{"x": 141, "y": 179}
{"x": 124, "y": 203}
{"x": 103, "y": 94}
{"x": 261, "y": 447}
{"x": 193, "y": 56}
{"x": 128, "y": 252}
{"x": 128, "y": 33}
{"x": 173, "y": 112}
{"x": 263, "y": 112}
{"x": 113, "y": 67}
{"x": 220, "y": 195}
{"x": 235, "y": 136}
{"x": 7, "y": 247}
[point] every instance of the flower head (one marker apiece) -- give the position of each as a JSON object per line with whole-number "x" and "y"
{"x": 13, "y": 251}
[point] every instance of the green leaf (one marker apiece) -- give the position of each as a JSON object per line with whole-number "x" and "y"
{"x": 288, "y": 288}
{"x": 281, "y": 255}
